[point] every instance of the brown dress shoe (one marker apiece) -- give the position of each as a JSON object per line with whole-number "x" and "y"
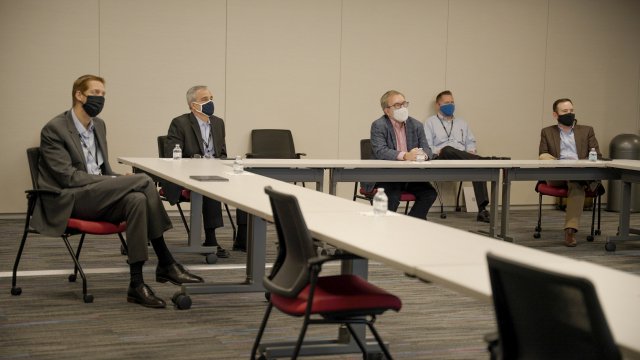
{"x": 570, "y": 237}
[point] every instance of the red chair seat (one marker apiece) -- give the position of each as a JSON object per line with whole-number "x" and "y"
{"x": 560, "y": 191}
{"x": 337, "y": 294}
{"x": 96, "y": 227}
{"x": 404, "y": 196}
{"x": 185, "y": 195}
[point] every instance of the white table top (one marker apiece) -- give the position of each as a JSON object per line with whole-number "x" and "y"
{"x": 434, "y": 252}
{"x": 624, "y": 164}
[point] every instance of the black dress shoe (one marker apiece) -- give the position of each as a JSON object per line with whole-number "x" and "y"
{"x": 143, "y": 295}
{"x": 220, "y": 252}
{"x": 176, "y": 274}
{"x": 484, "y": 216}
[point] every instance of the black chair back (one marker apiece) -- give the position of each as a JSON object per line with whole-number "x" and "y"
{"x": 272, "y": 144}
{"x": 33, "y": 156}
{"x": 366, "y": 150}
{"x": 546, "y": 315}
{"x": 290, "y": 273}
{"x": 162, "y": 144}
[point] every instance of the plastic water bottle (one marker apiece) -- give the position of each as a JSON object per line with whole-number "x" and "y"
{"x": 238, "y": 167}
{"x": 380, "y": 202}
{"x": 593, "y": 155}
{"x": 177, "y": 152}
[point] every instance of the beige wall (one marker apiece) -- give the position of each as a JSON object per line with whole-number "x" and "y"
{"x": 318, "y": 68}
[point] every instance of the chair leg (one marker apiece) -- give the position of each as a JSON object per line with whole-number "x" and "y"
{"x": 87, "y": 297}
{"x": 593, "y": 216}
{"x": 123, "y": 243}
{"x": 233, "y": 225}
{"x": 16, "y": 290}
{"x": 406, "y": 208}
{"x": 303, "y": 332}
{"x": 378, "y": 338}
{"x": 75, "y": 269}
{"x": 599, "y": 212}
{"x": 184, "y": 219}
{"x": 263, "y": 325}
{"x": 355, "y": 337}
{"x": 355, "y": 191}
{"x": 458, "y": 207}
{"x": 538, "y": 229}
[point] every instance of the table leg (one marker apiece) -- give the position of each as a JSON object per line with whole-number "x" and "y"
{"x": 506, "y": 200}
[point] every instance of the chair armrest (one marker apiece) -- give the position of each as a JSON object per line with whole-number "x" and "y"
{"x": 298, "y": 155}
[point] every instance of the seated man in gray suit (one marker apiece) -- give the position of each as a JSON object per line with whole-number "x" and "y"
{"x": 202, "y": 134}
{"x": 74, "y": 162}
{"x": 396, "y": 136}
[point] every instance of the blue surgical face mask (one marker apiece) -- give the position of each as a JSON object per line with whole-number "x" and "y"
{"x": 207, "y": 108}
{"x": 447, "y": 109}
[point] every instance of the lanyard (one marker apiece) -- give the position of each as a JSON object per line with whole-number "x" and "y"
{"x": 209, "y": 137}
{"x": 445, "y": 128}
{"x": 93, "y": 155}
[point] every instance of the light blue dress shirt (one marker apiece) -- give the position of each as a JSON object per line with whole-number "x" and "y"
{"x": 454, "y": 133}
{"x": 92, "y": 154}
{"x": 568, "y": 145}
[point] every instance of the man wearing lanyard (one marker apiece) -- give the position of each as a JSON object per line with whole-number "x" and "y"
{"x": 74, "y": 163}
{"x": 570, "y": 141}
{"x": 450, "y": 138}
{"x": 202, "y": 134}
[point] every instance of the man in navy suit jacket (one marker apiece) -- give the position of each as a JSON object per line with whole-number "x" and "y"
{"x": 397, "y": 136}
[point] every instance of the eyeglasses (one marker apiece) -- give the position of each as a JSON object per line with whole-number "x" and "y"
{"x": 399, "y": 105}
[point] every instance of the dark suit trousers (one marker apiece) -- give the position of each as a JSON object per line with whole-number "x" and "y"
{"x": 425, "y": 196}
{"x": 131, "y": 198}
{"x": 479, "y": 188}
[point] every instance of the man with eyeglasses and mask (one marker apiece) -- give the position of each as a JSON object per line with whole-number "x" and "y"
{"x": 398, "y": 137}
{"x": 569, "y": 141}
{"x": 450, "y": 138}
{"x": 202, "y": 134}
{"x": 74, "y": 163}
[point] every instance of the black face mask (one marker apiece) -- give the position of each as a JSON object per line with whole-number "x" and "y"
{"x": 94, "y": 105}
{"x": 567, "y": 119}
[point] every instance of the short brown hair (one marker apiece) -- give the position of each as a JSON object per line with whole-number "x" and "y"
{"x": 555, "y": 103}
{"x": 82, "y": 84}
{"x": 386, "y": 96}
{"x": 444, "y": 93}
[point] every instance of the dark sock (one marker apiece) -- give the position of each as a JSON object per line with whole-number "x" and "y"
{"x": 164, "y": 255}
{"x": 136, "y": 274}
{"x": 210, "y": 237}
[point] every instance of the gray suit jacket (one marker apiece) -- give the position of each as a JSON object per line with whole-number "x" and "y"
{"x": 583, "y": 134}
{"x": 62, "y": 168}
{"x": 383, "y": 138}
{"x": 185, "y": 131}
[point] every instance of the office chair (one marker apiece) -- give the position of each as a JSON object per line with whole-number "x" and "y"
{"x": 273, "y": 144}
{"x": 74, "y": 226}
{"x": 547, "y": 315}
{"x": 542, "y": 188}
{"x": 296, "y": 288}
{"x": 185, "y": 196}
{"x": 366, "y": 153}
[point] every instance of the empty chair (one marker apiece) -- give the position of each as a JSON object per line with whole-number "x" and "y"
{"x": 273, "y": 144}
{"x": 74, "y": 227}
{"x": 362, "y": 191}
{"x": 542, "y": 188}
{"x": 547, "y": 315}
{"x": 296, "y": 288}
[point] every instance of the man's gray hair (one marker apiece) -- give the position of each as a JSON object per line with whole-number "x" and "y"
{"x": 191, "y": 93}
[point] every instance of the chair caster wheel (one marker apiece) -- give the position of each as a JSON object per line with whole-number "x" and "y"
{"x": 88, "y": 298}
{"x": 15, "y": 291}
{"x": 590, "y": 238}
{"x": 443, "y": 216}
{"x": 610, "y": 246}
{"x": 72, "y": 278}
{"x": 181, "y": 300}
{"x": 123, "y": 250}
{"x": 211, "y": 259}
{"x": 536, "y": 235}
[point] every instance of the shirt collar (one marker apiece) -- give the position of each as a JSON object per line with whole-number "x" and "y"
{"x": 81, "y": 129}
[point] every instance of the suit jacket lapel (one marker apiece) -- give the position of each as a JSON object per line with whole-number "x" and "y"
{"x": 391, "y": 134}
{"x": 75, "y": 139}
{"x": 195, "y": 127}
{"x": 579, "y": 137}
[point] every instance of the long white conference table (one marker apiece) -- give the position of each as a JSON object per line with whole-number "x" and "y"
{"x": 429, "y": 251}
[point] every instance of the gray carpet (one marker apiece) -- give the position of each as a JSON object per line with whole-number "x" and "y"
{"x": 50, "y": 321}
